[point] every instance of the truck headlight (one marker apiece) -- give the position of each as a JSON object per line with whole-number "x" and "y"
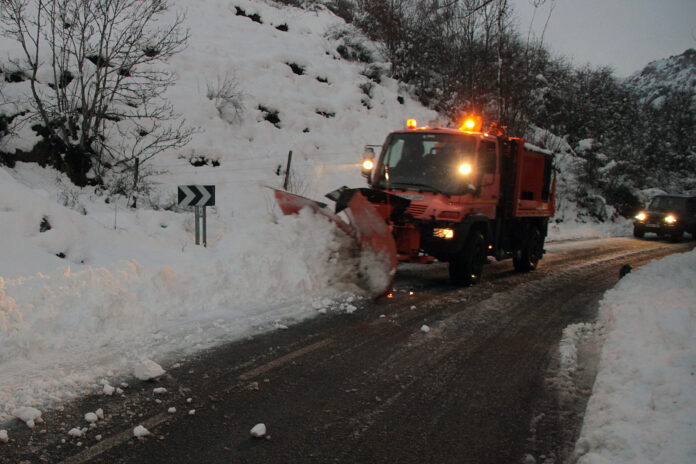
{"x": 670, "y": 219}
{"x": 447, "y": 234}
{"x": 465, "y": 169}
{"x": 641, "y": 216}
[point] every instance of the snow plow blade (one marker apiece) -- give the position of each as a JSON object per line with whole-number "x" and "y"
{"x": 290, "y": 203}
{"x": 378, "y": 250}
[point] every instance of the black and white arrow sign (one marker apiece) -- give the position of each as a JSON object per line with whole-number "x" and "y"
{"x": 196, "y": 195}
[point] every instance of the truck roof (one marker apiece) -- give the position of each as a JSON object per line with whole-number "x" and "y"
{"x": 443, "y": 130}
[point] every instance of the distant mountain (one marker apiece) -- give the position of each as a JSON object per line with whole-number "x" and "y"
{"x": 664, "y": 76}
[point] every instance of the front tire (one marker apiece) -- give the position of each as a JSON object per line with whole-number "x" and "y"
{"x": 526, "y": 258}
{"x": 466, "y": 267}
{"x": 676, "y": 235}
{"x": 638, "y": 232}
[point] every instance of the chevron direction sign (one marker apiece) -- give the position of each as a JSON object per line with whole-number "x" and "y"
{"x": 196, "y": 195}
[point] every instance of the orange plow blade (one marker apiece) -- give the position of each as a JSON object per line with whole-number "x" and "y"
{"x": 378, "y": 259}
{"x": 292, "y": 204}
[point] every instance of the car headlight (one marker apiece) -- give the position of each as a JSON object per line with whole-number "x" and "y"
{"x": 670, "y": 219}
{"x": 641, "y": 216}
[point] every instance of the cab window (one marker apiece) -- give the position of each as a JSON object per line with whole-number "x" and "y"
{"x": 487, "y": 157}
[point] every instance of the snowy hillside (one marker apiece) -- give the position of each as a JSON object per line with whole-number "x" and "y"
{"x": 660, "y": 76}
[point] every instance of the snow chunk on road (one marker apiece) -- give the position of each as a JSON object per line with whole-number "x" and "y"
{"x": 148, "y": 369}
{"x": 140, "y": 431}
{"x": 4, "y": 437}
{"x": 425, "y": 329}
{"x": 100, "y": 413}
{"x": 108, "y": 389}
{"x": 75, "y": 432}
{"x": 258, "y": 431}
{"x": 91, "y": 417}
{"x": 28, "y": 415}
{"x": 159, "y": 390}
{"x": 171, "y": 410}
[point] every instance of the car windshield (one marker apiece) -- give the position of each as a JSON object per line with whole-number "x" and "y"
{"x": 668, "y": 204}
{"x": 427, "y": 162}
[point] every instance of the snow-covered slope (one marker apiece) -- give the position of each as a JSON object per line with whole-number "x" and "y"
{"x": 658, "y": 77}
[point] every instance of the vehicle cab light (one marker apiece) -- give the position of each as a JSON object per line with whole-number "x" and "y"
{"x": 447, "y": 234}
{"x": 670, "y": 219}
{"x": 641, "y": 216}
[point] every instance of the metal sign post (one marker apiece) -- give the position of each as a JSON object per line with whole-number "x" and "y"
{"x": 198, "y": 196}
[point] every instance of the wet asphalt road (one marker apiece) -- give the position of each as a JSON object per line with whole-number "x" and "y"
{"x": 481, "y": 386}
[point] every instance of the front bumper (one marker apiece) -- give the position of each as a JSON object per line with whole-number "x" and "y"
{"x": 660, "y": 227}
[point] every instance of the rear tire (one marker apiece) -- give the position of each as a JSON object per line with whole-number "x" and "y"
{"x": 638, "y": 232}
{"x": 526, "y": 258}
{"x": 466, "y": 267}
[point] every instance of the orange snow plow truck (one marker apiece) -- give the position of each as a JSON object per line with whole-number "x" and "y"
{"x": 455, "y": 195}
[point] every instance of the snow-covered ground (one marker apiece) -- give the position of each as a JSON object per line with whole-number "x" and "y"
{"x": 89, "y": 289}
{"x": 643, "y": 404}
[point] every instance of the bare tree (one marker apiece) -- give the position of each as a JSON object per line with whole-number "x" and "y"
{"x": 96, "y": 78}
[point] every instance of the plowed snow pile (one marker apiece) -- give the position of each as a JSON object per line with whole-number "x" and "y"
{"x": 643, "y": 404}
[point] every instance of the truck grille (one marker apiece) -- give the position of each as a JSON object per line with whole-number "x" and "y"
{"x": 416, "y": 210}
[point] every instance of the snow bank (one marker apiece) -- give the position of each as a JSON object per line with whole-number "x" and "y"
{"x": 643, "y": 404}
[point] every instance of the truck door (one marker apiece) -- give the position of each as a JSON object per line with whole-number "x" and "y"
{"x": 487, "y": 177}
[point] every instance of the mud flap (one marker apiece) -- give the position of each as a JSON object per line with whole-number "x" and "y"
{"x": 378, "y": 250}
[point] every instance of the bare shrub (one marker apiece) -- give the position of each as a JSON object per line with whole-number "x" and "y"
{"x": 96, "y": 75}
{"x": 227, "y": 98}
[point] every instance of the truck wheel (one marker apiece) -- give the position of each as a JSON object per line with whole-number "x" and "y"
{"x": 527, "y": 257}
{"x": 638, "y": 232}
{"x": 467, "y": 266}
{"x": 676, "y": 235}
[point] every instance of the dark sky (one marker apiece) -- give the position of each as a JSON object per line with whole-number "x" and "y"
{"x": 624, "y": 34}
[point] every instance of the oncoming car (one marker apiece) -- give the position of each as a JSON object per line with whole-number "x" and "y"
{"x": 667, "y": 215}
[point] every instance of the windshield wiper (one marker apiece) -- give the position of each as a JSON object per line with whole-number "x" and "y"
{"x": 419, "y": 186}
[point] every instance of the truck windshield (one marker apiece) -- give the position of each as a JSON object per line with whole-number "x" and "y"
{"x": 426, "y": 161}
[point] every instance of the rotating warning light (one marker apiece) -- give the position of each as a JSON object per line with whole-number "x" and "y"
{"x": 471, "y": 124}
{"x": 412, "y": 124}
